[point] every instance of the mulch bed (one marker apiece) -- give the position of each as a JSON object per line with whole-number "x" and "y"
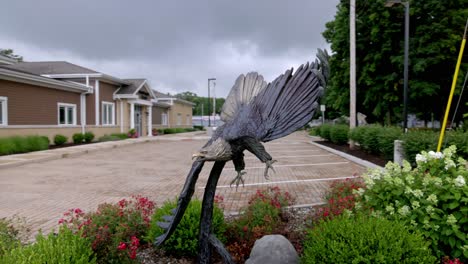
{"x": 66, "y": 145}
{"x": 355, "y": 152}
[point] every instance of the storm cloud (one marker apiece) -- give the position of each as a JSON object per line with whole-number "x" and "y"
{"x": 176, "y": 44}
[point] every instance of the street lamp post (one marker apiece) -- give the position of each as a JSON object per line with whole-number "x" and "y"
{"x": 390, "y": 3}
{"x": 209, "y": 119}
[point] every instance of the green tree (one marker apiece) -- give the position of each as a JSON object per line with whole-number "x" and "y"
{"x": 10, "y": 53}
{"x": 201, "y": 102}
{"x": 436, "y": 28}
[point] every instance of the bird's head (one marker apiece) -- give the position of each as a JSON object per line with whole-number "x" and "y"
{"x": 216, "y": 151}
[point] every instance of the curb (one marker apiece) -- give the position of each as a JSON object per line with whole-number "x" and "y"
{"x": 352, "y": 158}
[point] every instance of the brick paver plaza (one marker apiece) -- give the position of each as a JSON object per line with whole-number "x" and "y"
{"x": 41, "y": 192}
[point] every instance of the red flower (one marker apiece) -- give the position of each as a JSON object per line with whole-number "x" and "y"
{"x": 78, "y": 211}
{"x": 122, "y": 246}
{"x": 135, "y": 241}
{"x": 61, "y": 220}
{"x": 245, "y": 228}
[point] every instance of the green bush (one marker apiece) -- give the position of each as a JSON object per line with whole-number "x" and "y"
{"x": 78, "y": 138}
{"x": 60, "y": 139}
{"x": 364, "y": 239}
{"x": 184, "y": 240}
{"x": 416, "y": 141}
{"x": 88, "y": 137}
{"x": 339, "y": 134}
{"x": 22, "y": 144}
{"x": 8, "y": 236}
{"x": 108, "y": 138}
{"x": 120, "y": 135}
{"x": 459, "y": 139}
{"x": 386, "y": 140}
{"x": 63, "y": 248}
{"x": 198, "y": 128}
{"x": 176, "y": 130}
{"x": 432, "y": 198}
{"x": 357, "y": 134}
{"x": 325, "y": 131}
{"x": 370, "y": 138}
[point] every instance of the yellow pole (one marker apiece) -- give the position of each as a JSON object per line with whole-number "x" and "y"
{"x": 454, "y": 82}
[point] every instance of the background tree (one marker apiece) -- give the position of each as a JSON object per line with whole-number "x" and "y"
{"x": 201, "y": 102}
{"x": 11, "y": 54}
{"x": 436, "y": 28}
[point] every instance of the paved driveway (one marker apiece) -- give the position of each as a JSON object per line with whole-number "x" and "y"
{"x": 43, "y": 191}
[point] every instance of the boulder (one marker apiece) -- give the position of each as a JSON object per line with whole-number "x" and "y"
{"x": 273, "y": 249}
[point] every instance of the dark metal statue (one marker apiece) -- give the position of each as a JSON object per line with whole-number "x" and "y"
{"x": 254, "y": 112}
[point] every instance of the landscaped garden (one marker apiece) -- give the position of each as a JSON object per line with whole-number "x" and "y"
{"x": 408, "y": 214}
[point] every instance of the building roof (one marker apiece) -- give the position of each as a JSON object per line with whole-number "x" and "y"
{"x": 7, "y": 60}
{"x": 134, "y": 84}
{"x": 50, "y": 67}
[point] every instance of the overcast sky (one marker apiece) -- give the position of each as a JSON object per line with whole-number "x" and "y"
{"x": 176, "y": 45}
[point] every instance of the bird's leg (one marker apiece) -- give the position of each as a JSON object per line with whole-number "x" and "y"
{"x": 259, "y": 151}
{"x": 239, "y": 165}
{"x": 269, "y": 165}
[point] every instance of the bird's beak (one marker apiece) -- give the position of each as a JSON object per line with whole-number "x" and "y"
{"x": 197, "y": 155}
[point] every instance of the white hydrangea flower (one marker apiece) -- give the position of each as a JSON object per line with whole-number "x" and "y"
{"x": 398, "y": 181}
{"x": 459, "y": 181}
{"x": 409, "y": 179}
{"x": 432, "y": 198}
{"x": 406, "y": 166}
{"x": 408, "y": 190}
{"x": 429, "y": 209}
{"x": 404, "y": 210}
{"x": 461, "y": 161}
{"x": 415, "y": 204}
{"x": 435, "y": 155}
{"x": 448, "y": 152}
{"x": 451, "y": 220}
{"x": 449, "y": 164}
{"x": 418, "y": 193}
{"x": 437, "y": 181}
{"x": 414, "y": 223}
{"x": 421, "y": 158}
{"x": 390, "y": 209}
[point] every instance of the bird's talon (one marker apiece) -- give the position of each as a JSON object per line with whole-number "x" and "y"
{"x": 269, "y": 165}
{"x": 238, "y": 179}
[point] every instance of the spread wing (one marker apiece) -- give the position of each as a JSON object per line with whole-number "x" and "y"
{"x": 241, "y": 94}
{"x": 282, "y": 107}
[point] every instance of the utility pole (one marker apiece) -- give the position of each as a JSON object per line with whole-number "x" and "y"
{"x": 352, "y": 67}
{"x": 202, "y": 114}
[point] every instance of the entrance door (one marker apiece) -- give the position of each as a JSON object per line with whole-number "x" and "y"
{"x": 138, "y": 121}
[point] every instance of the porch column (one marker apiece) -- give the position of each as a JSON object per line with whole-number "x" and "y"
{"x": 121, "y": 116}
{"x": 83, "y": 112}
{"x": 96, "y": 106}
{"x": 132, "y": 115}
{"x": 150, "y": 121}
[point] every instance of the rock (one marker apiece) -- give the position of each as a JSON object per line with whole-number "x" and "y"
{"x": 273, "y": 249}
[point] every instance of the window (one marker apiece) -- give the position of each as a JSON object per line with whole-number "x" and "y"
{"x": 3, "y": 111}
{"x": 179, "y": 119}
{"x": 164, "y": 119}
{"x": 66, "y": 114}
{"x": 189, "y": 121}
{"x": 108, "y": 113}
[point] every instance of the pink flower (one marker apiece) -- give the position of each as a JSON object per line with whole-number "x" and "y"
{"x": 61, "y": 220}
{"x": 78, "y": 211}
{"x": 135, "y": 241}
{"x": 122, "y": 246}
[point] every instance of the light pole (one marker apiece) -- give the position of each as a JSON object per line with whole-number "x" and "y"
{"x": 390, "y": 3}
{"x": 209, "y": 119}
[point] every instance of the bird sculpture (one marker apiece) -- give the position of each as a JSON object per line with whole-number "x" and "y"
{"x": 254, "y": 112}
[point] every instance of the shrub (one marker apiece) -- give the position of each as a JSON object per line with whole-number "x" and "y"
{"x": 339, "y": 134}
{"x": 78, "y": 138}
{"x": 88, "y": 137}
{"x": 416, "y": 141}
{"x": 120, "y": 135}
{"x": 459, "y": 139}
{"x": 325, "y": 131}
{"x": 22, "y": 144}
{"x": 364, "y": 239}
{"x": 114, "y": 229}
{"x": 357, "y": 134}
{"x": 64, "y": 247}
{"x": 370, "y": 138}
{"x": 431, "y": 198}
{"x": 132, "y": 133}
{"x": 339, "y": 197}
{"x": 108, "y": 138}
{"x": 60, "y": 139}
{"x": 262, "y": 216}
{"x": 184, "y": 240}
{"x": 386, "y": 140}
{"x": 8, "y": 236}
{"x": 199, "y": 128}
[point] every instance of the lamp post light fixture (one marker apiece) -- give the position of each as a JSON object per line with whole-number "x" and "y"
{"x": 391, "y": 3}
{"x": 209, "y": 119}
